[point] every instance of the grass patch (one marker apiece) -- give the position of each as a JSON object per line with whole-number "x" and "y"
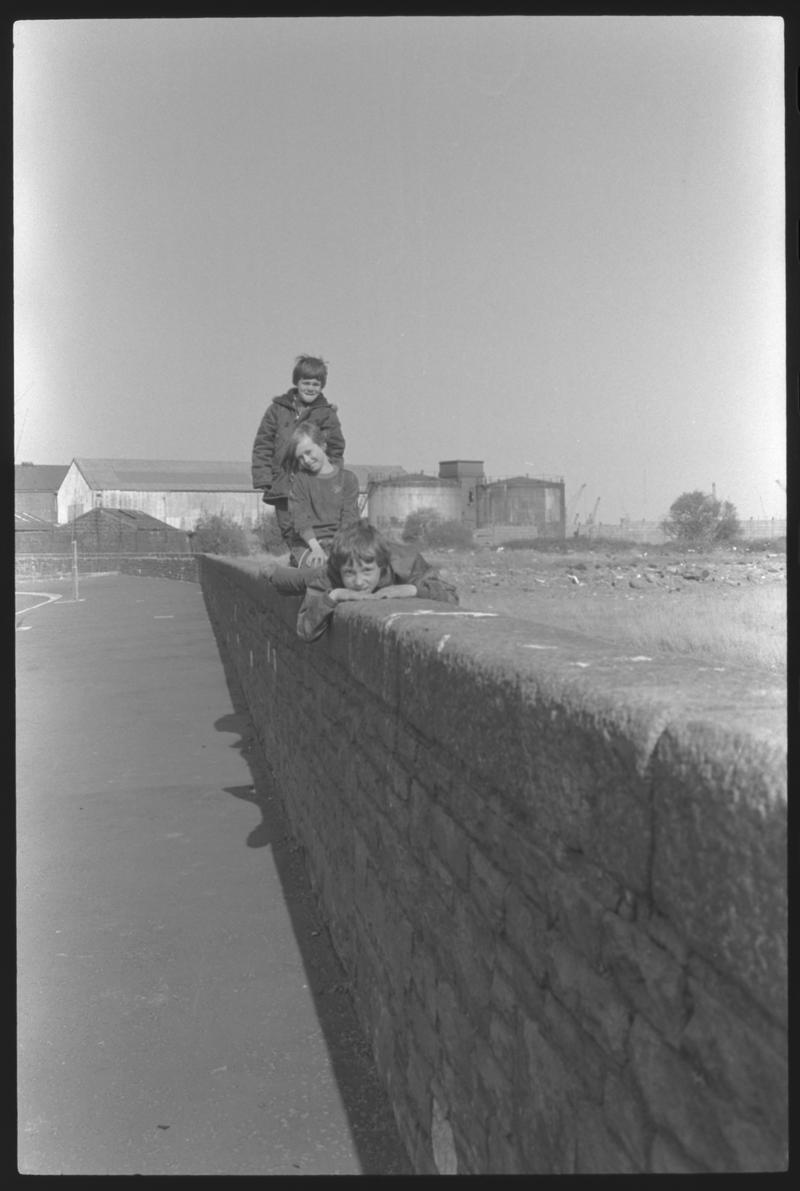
{"x": 737, "y": 628}
{"x": 579, "y": 545}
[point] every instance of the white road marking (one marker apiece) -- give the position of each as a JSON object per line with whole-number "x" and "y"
{"x": 48, "y": 599}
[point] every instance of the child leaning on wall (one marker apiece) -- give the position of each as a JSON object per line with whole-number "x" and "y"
{"x": 323, "y": 496}
{"x": 303, "y": 404}
{"x": 362, "y": 565}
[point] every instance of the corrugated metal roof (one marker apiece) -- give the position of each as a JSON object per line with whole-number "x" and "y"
{"x": 187, "y": 475}
{"x": 132, "y": 518}
{"x": 163, "y": 475}
{"x": 27, "y": 521}
{"x": 39, "y": 477}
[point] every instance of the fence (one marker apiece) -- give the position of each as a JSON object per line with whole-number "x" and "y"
{"x": 628, "y": 531}
{"x": 651, "y": 531}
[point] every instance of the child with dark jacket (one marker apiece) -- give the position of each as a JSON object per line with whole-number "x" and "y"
{"x": 362, "y": 565}
{"x": 303, "y": 404}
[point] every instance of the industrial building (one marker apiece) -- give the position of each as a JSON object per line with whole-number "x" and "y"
{"x": 124, "y": 531}
{"x": 36, "y": 488}
{"x": 101, "y": 531}
{"x": 535, "y": 502}
{"x": 461, "y": 492}
{"x": 178, "y": 492}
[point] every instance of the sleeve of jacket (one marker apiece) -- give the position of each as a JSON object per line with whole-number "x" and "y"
{"x": 427, "y": 580}
{"x": 290, "y": 580}
{"x": 316, "y": 609}
{"x": 263, "y": 450}
{"x": 349, "y": 514}
{"x": 335, "y": 443}
{"x": 300, "y": 506}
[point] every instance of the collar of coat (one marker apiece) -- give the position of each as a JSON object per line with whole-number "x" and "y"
{"x": 291, "y": 401}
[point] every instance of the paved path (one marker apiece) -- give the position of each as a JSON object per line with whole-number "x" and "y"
{"x": 180, "y": 1008}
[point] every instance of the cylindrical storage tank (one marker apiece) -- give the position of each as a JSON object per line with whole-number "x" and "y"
{"x": 391, "y": 502}
{"x": 520, "y": 500}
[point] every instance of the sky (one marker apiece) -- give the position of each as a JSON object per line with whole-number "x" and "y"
{"x": 553, "y": 244}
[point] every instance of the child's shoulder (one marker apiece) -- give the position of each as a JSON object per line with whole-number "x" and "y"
{"x": 324, "y": 405}
{"x": 403, "y": 557}
{"x": 402, "y": 549}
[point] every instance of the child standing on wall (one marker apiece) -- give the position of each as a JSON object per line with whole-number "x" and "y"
{"x": 302, "y": 405}
{"x": 323, "y": 496}
{"x": 362, "y": 565}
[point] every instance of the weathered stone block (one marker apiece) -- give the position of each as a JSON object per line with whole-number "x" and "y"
{"x": 527, "y": 933}
{"x": 581, "y": 1054}
{"x": 547, "y": 1121}
{"x": 592, "y": 998}
{"x": 651, "y": 980}
{"x": 678, "y": 1100}
{"x": 577, "y": 916}
{"x": 451, "y": 843}
{"x": 625, "y": 1117}
{"x": 487, "y": 887}
{"x": 719, "y": 868}
{"x": 737, "y": 1059}
{"x": 668, "y": 1158}
{"x": 597, "y": 1150}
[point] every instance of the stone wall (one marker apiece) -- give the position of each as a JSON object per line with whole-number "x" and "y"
{"x": 179, "y": 566}
{"x": 33, "y": 567}
{"x": 555, "y": 874}
{"x": 59, "y": 565}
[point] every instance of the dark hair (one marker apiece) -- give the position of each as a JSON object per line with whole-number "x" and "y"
{"x": 361, "y": 542}
{"x": 310, "y": 368}
{"x": 307, "y": 429}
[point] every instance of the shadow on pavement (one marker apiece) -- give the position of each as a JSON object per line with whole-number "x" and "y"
{"x": 369, "y": 1114}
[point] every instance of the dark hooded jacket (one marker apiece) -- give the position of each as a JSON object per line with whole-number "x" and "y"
{"x": 283, "y": 415}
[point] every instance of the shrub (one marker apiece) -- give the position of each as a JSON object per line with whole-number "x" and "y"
{"x": 268, "y": 535}
{"x": 696, "y": 519}
{"x": 417, "y": 524}
{"x": 450, "y": 535}
{"x": 215, "y": 533}
{"x": 427, "y": 527}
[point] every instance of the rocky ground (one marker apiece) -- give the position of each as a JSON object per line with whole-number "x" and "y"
{"x": 504, "y": 579}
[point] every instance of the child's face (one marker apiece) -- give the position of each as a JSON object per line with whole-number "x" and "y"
{"x": 309, "y": 455}
{"x": 308, "y": 389}
{"x": 360, "y": 576}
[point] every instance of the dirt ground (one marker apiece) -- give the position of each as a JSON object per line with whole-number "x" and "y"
{"x": 519, "y": 582}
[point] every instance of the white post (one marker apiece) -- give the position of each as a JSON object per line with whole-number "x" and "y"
{"x": 74, "y": 569}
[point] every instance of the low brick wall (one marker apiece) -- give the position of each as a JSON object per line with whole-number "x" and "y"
{"x": 59, "y": 566}
{"x": 178, "y": 566}
{"x": 554, "y": 873}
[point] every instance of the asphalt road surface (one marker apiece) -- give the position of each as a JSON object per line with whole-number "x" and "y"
{"x": 180, "y": 1008}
